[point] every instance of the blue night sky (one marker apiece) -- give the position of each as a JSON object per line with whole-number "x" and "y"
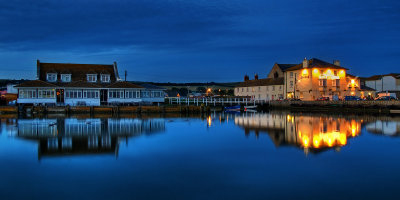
{"x": 199, "y": 41}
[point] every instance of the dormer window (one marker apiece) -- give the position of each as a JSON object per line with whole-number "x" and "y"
{"x": 51, "y": 77}
{"x": 66, "y": 77}
{"x": 91, "y": 77}
{"x": 105, "y": 78}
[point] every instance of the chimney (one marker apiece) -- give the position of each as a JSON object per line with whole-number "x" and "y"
{"x": 246, "y": 78}
{"x": 336, "y": 62}
{"x": 116, "y": 71}
{"x": 126, "y": 74}
{"x": 305, "y": 63}
{"x": 256, "y": 77}
{"x": 37, "y": 69}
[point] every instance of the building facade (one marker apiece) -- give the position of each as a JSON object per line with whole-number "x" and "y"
{"x": 81, "y": 84}
{"x": 261, "y": 89}
{"x": 388, "y": 83}
{"x": 308, "y": 81}
{"x": 314, "y": 78}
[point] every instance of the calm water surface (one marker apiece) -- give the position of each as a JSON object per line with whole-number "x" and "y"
{"x": 222, "y": 156}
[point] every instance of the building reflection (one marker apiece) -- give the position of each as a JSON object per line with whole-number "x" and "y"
{"x": 387, "y": 128}
{"x": 70, "y": 136}
{"x": 311, "y": 133}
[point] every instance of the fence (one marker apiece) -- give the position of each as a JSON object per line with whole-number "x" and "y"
{"x": 215, "y": 101}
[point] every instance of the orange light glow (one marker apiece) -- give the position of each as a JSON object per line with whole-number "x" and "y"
{"x": 306, "y": 141}
{"x": 316, "y": 141}
{"x": 342, "y": 74}
{"x": 342, "y": 139}
{"x": 315, "y": 71}
{"x": 209, "y": 121}
{"x": 328, "y": 71}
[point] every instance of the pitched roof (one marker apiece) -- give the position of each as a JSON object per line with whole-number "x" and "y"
{"x": 36, "y": 83}
{"x": 82, "y": 84}
{"x": 123, "y": 84}
{"x": 315, "y": 63}
{"x": 351, "y": 76}
{"x": 377, "y": 77}
{"x": 284, "y": 67}
{"x": 78, "y": 71}
{"x": 262, "y": 82}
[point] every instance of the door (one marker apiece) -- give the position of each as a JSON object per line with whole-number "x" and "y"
{"x": 60, "y": 96}
{"x": 103, "y": 97}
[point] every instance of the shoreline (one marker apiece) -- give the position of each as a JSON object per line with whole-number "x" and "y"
{"x": 370, "y": 107}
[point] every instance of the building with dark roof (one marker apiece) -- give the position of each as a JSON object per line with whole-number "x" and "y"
{"x": 315, "y": 78}
{"x": 80, "y": 84}
{"x": 384, "y": 83}
{"x": 261, "y": 89}
{"x": 308, "y": 80}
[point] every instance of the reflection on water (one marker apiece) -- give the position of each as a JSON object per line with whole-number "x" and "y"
{"x": 389, "y": 128}
{"x": 70, "y": 136}
{"x": 310, "y": 132}
{"x": 191, "y": 156}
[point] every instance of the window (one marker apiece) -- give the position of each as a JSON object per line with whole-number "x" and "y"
{"x": 336, "y": 82}
{"x": 144, "y": 94}
{"x": 291, "y": 74}
{"x": 335, "y": 72}
{"x": 66, "y": 77}
{"x": 247, "y": 89}
{"x": 273, "y": 88}
{"x": 90, "y": 94}
{"x": 291, "y": 83}
{"x": 52, "y": 77}
{"x": 73, "y": 94}
{"x": 322, "y": 82}
{"x": 259, "y": 89}
{"x": 27, "y": 94}
{"x": 46, "y": 94}
{"x": 252, "y": 89}
{"x": 156, "y": 94}
{"x": 91, "y": 77}
{"x": 280, "y": 87}
{"x": 242, "y": 89}
{"x": 105, "y": 78}
{"x": 130, "y": 94}
{"x": 116, "y": 94}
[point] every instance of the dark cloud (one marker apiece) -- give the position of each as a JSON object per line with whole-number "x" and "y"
{"x": 199, "y": 40}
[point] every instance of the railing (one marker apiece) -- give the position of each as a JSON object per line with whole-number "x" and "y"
{"x": 216, "y": 101}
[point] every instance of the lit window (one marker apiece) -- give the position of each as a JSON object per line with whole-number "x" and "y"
{"x": 52, "y": 77}
{"x": 322, "y": 82}
{"x": 105, "y": 78}
{"x": 91, "y": 77}
{"x": 66, "y": 77}
{"x": 27, "y": 94}
{"x": 46, "y": 94}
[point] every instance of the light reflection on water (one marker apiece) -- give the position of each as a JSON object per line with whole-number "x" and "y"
{"x": 221, "y": 155}
{"x": 312, "y": 133}
{"x": 71, "y": 136}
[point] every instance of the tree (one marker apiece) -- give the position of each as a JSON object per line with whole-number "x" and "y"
{"x": 201, "y": 89}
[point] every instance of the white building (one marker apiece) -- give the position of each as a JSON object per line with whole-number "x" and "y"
{"x": 82, "y": 84}
{"x": 383, "y": 83}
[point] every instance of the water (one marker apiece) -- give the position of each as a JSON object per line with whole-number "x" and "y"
{"x": 274, "y": 155}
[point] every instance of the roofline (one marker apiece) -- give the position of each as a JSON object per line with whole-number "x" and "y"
{"x": 74, "y": 63}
